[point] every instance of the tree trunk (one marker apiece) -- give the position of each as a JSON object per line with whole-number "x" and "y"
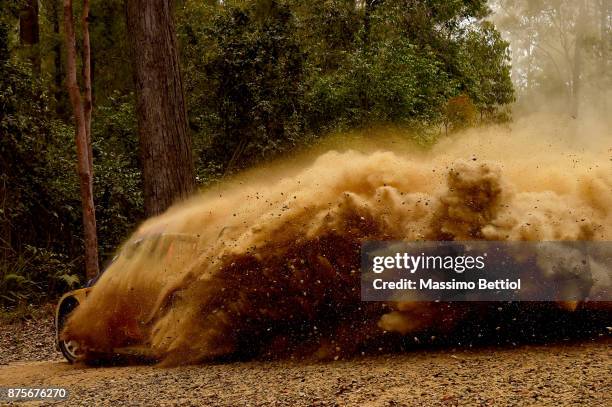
{"x": 29, "y": 33}
{"x": 165, "y": 145}
{"x": 84, "y": 164}
{"x": 57, "y": 55}
{"x": 87, "y": 99}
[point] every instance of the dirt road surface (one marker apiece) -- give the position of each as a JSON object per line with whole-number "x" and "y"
{"x": 572, "y": 374}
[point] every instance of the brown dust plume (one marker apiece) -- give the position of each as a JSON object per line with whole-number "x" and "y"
{"x": 268, "y": 263}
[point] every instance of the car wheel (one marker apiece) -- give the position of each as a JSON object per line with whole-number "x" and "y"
{"x": 70, "y": 349}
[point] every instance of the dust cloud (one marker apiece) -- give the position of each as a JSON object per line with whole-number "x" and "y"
{"x": 268, "y": 262}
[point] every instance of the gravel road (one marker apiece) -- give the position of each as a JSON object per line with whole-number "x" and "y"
{"x": 29, "y": 340}
{"x": 559, "y": 374}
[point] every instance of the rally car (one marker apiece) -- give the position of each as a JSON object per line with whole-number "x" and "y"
{"x": 167, "y": 245}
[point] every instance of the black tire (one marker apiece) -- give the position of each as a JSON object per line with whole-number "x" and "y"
{"x": 69, "y": 349}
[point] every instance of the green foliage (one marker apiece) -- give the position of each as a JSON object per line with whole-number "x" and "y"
{"x": 266, "y": 76}
{"x": 34, "y": 273}
{"x": 25, "y": 146}
{"x": 244, "y": 80}
{"x": 118, "y": 191}
{"x": 387, "y": 83}
{"x": 40, "y": 207}
{"x": 37, "y": 193}
{"x": 485, "y": 66}
{"x": 110, "y": 49}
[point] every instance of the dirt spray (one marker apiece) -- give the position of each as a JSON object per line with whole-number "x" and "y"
{"x": 268, "y": 262}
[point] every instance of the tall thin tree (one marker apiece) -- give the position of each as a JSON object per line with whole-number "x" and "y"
{"x": 165, "y": 144}
{"x": 81, "y": 106}
{"x": 87, "y": 98}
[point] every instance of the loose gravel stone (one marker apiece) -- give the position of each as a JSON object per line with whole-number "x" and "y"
{"x": 28, "y": 340}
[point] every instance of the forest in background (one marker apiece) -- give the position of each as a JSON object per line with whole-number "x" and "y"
{"x": 261, "y": 78}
